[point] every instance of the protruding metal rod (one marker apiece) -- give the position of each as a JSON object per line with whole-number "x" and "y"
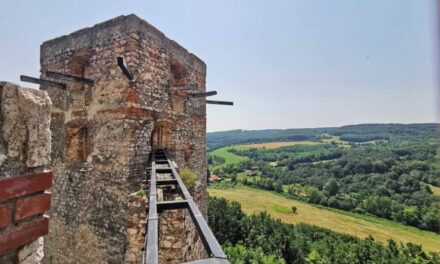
{"x": 68, "y": 77}
{"x": 205, "y": 94}
{"x": 29, "y": 79}
{"x": 190, "y": 86}
{"x": 125, "y": 69}
{"x": 219, "y": 102}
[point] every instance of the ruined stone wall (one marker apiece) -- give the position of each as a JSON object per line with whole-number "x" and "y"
{"x": 24, "y": 155}
{"x": 103, "y": 133}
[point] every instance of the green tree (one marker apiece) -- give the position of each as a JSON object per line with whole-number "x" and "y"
{"x": 240, "y": 254}
{"x": 278, "y": 186}
{"x": 332, "y": 187}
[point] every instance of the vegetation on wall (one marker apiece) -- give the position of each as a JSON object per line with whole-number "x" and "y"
{"x": 189, "y": 177}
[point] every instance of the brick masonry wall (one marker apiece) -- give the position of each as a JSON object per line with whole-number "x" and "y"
{"x": 24, "y": 149}
{"x": 22, "y": 203}
{"x": 103, "y": 134}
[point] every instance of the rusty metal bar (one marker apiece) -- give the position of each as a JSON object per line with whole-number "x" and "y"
{"x": 68, "y": 77}
{"x": 204, "y": 94}
{"x": 124, "y": 68}
{"x": 29, "y": 79}
{"x": 219, "y": 102}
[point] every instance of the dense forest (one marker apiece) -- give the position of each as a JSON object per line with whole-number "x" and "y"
{"x": 259, "y": 238}
{"x": 382, "y": 170}
{"x": 354, "y": 133}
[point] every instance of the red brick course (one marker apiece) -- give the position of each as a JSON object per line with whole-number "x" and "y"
{"x": 13, "y": 207}
{"x": 32, "y": 206}
{"x": 25, "y": 184}
{"x": 5, "y": 215}
{"x": 23, "y": 234}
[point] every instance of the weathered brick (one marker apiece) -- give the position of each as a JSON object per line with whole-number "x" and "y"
{"x": 24, "y": 184}
{"x": 23, "y": 234}
{"x": 32, "y": 206}
{"x": 5, "y": 215}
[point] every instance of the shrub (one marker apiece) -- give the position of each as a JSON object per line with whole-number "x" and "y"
{"x": 189, "y": 177}
{"x": 141, "y": 193}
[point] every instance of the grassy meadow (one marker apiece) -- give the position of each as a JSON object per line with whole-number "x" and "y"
{"x": 231, "y": 158}
{"x": 272, "y": 145}
{"x": 254, "y": 200}
{"x": 435, "y": 190}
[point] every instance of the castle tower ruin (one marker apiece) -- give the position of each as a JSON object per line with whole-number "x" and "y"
{"x": 104, "y": 127}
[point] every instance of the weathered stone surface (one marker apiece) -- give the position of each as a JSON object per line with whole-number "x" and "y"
{"x": 32, "y": 253}
{"x": 103, "y": 134}
{"x": 25, "y": 145}
{"x": 25, "y": 125}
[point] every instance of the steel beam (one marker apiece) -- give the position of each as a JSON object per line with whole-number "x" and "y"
{"x": 219, "y": 102}
{"x": 170, "y": 205}
{"x": 210, "y": 243}
{"x": 152, "y": 238}
{"x": 204, "y": 94}
{"x": 68, "y": 77}
{"x": 29, "y": 79}
{"x": 209, "y": 261}
{"x": 166, "y": 182}
{"x": 124, "y": 68}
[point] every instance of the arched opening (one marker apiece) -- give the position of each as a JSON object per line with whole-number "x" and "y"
{"x": 79, "y": 66}
{"x": 77, "y": 144}
{"x": 161, "y": 137}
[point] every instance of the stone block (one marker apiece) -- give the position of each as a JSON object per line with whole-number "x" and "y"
{"x": 26, "y": 124}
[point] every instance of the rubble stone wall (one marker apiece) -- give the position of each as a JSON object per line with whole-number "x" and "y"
{"x": 102, "y": 134}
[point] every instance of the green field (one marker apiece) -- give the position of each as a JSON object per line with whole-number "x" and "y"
{"x": 435, "y": 190}
{"x": 231, "y": 158}
{"x": 254, "y": 200}
{"x": 278, "y": 144}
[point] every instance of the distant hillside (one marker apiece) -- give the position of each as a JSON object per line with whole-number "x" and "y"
{"x": 352, "y": 133}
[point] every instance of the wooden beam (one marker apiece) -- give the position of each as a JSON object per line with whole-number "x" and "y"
{"x": 124, "y": 68}
{"x": 204, "y": 94}
{"x": 29, "y": 79}
{"x": 219, "y": 102}
{"x": 68, "y": 77}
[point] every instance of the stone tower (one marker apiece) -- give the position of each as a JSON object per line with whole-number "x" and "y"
{"x": 104, "y": 129}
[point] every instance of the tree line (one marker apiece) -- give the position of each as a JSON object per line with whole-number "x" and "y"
{"x": 259, "y": 238}
{"x": 388, "y": 180}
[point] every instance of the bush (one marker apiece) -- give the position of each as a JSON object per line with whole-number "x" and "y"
{"x": 189, "y": 177}
{"x": 141, "y": 193}
{"x": 242, "y": 255}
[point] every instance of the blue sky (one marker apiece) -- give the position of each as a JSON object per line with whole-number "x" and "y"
{"x": 285, "y": 64}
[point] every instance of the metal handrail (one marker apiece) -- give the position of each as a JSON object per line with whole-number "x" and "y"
{"x": 210, "y": 243}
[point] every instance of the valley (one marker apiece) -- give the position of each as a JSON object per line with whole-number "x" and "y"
{"x": 254, "y": 200}
{"x": 378, "y": 180}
